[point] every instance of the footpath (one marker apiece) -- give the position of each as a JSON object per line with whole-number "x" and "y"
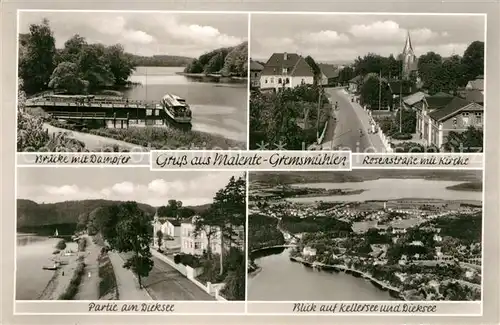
{"x": 89, "y": 287}
{"x": 128, "y": 286}
{"x": 365, "y": 119}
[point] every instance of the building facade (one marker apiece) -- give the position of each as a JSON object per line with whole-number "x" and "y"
{"x": 434, "y": 123}
{"x": 286, "y": 70}
{"x": 196, "y": 242}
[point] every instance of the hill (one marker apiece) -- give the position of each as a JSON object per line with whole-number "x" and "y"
{"x": 32, "y": 214}
{"x": 227, "y": 61}
{"x": 363, "y": 175}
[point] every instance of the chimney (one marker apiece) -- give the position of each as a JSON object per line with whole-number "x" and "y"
{"x": 285, "y": 56}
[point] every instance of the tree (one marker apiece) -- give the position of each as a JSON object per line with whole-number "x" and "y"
{"x": 469, "y": 141}
{"x": 66, "y": 76}
{"x": 408, "y": 121}
{"x": 345, "y": 75}
{"x": 118, "y": 64}
{"x": 37, "y": 62}
{"x": 72, "y": 49}
{"x": 473, "y": 60}
{"x": 370, "y": 91}
{"x": 159, "y": 238}
{"x": 93, "y": 68}
{"x": 215, "y": 64}
{"x": 315, "y": 69}
{"x": 133, "y": 234}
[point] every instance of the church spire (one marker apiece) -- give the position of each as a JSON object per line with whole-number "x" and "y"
{"x": 408, "y": 47}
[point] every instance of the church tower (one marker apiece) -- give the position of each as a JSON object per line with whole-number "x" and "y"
{"x": 409, "y": 58}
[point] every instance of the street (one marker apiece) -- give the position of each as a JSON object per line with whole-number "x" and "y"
{"x": 166, "y": 283}
{"x": 344, "y": 133}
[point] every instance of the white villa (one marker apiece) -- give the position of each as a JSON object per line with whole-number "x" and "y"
{"x": 286, "y": 70}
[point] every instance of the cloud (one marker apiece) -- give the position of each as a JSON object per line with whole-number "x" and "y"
{"x": 389, "y": 30}
{"x": 156, "y": 192}
{"x": 328, "y": 37}
{"x": 145, "y": 33}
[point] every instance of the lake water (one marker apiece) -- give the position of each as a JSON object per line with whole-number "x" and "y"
{"x": 33, "y": 252}
{"x": 389, "y": 189}
{"x": 218, "y": 108}
{"x": 281, "y": 279}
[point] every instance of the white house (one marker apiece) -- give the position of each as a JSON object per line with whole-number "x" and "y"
{"x": 286, "y": 70}
{"x": 309, "y": 251}
{"x": 196, "y": 242}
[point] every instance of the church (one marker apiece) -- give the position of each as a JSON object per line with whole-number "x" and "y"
{"x": 410, "y": 61}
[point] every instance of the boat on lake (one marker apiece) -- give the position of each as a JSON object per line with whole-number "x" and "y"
{"x": 56, "y": 234}
{"x": 176, "y": 108}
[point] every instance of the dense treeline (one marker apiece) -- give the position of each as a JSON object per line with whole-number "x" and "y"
{"x": 467, "y": 228}
{"x": 297, "y": 225}
{"x": 230, "y": 61}
{"x": 276, "y": 178}
{"x": 159, "y": 60}
{"x": 31, "y": 214}
{"x": 263, "y": 232}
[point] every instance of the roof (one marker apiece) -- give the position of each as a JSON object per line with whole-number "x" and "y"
{"x": 329, "y": 70}
{"x": 438, "y": 100}
{"x": 414, "y": 98}
{"x": 356, "y": 79}
{"x": 477, "y": 84}
{"x": 175, "y": 222}
{"x": 397, "y": 85}
{"x": 295, "y": 64}
{"x": 474, "y": 95}
{"x": 256, "y": 66}
{"x": 454, "y": 106}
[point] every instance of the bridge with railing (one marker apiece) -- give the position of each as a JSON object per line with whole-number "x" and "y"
{"x": 84, "y": 116}
{"x": 92, "y": 103}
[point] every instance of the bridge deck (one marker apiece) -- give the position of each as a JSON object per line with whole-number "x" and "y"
{"x": 91, "y": 104}
{"x": 85, "y": 116}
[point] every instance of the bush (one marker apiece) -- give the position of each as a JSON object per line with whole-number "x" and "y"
{"x": 61, "y": 245}
{"x": 107, "y": 284}
{"x": 402, "y": 136}
{"x": 177, "y": 258}
{"x": 82, "y": 244}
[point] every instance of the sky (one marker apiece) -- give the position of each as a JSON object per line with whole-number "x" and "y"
{"x": 342, "y": 38}
{"x": 49, "y": 185}
{"x": 183, "y": 34}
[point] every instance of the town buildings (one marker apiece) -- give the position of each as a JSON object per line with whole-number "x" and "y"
{"x": 439, "y": 114}
{"x": 409, "y": 59}
{"x": 286, "y": 70}
{"x": 329, "y": 74}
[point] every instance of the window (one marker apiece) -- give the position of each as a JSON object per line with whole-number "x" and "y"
{"x": 279, "y": 81}
{"x": 465, "y": 118}
{"x": 272, "y": 80}
{"x": 303, "y": 81}
{"x": 197, "y": 245}
{"x": 287, "y": 81}
{"x": 265, "y": 80}
{"x": 285, "y": 70}
{"x": 479, "y": 118}
{"x": 149, "y": 112}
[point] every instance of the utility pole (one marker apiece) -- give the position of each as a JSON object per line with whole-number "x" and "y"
{"x": 401, "y": 103}
{"x": 380, "y": 89}
{"x": 319, "y": 107}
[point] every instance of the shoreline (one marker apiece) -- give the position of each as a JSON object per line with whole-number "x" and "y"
{"x": 59, "y": 283}
{"x": 393, "y": 292}
{"x": 209, "y": 75}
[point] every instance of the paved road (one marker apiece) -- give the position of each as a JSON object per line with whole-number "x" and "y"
{"x": 166, "y": 283}
{"x": 128, "y": 286}
{"x": 350, "y": 117}
{"x": 94, "y": 142}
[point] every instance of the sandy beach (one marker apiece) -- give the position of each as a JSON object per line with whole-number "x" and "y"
{"x": 62, "y": 276}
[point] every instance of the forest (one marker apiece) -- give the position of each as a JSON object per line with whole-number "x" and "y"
{"x": 227, "y": 61}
